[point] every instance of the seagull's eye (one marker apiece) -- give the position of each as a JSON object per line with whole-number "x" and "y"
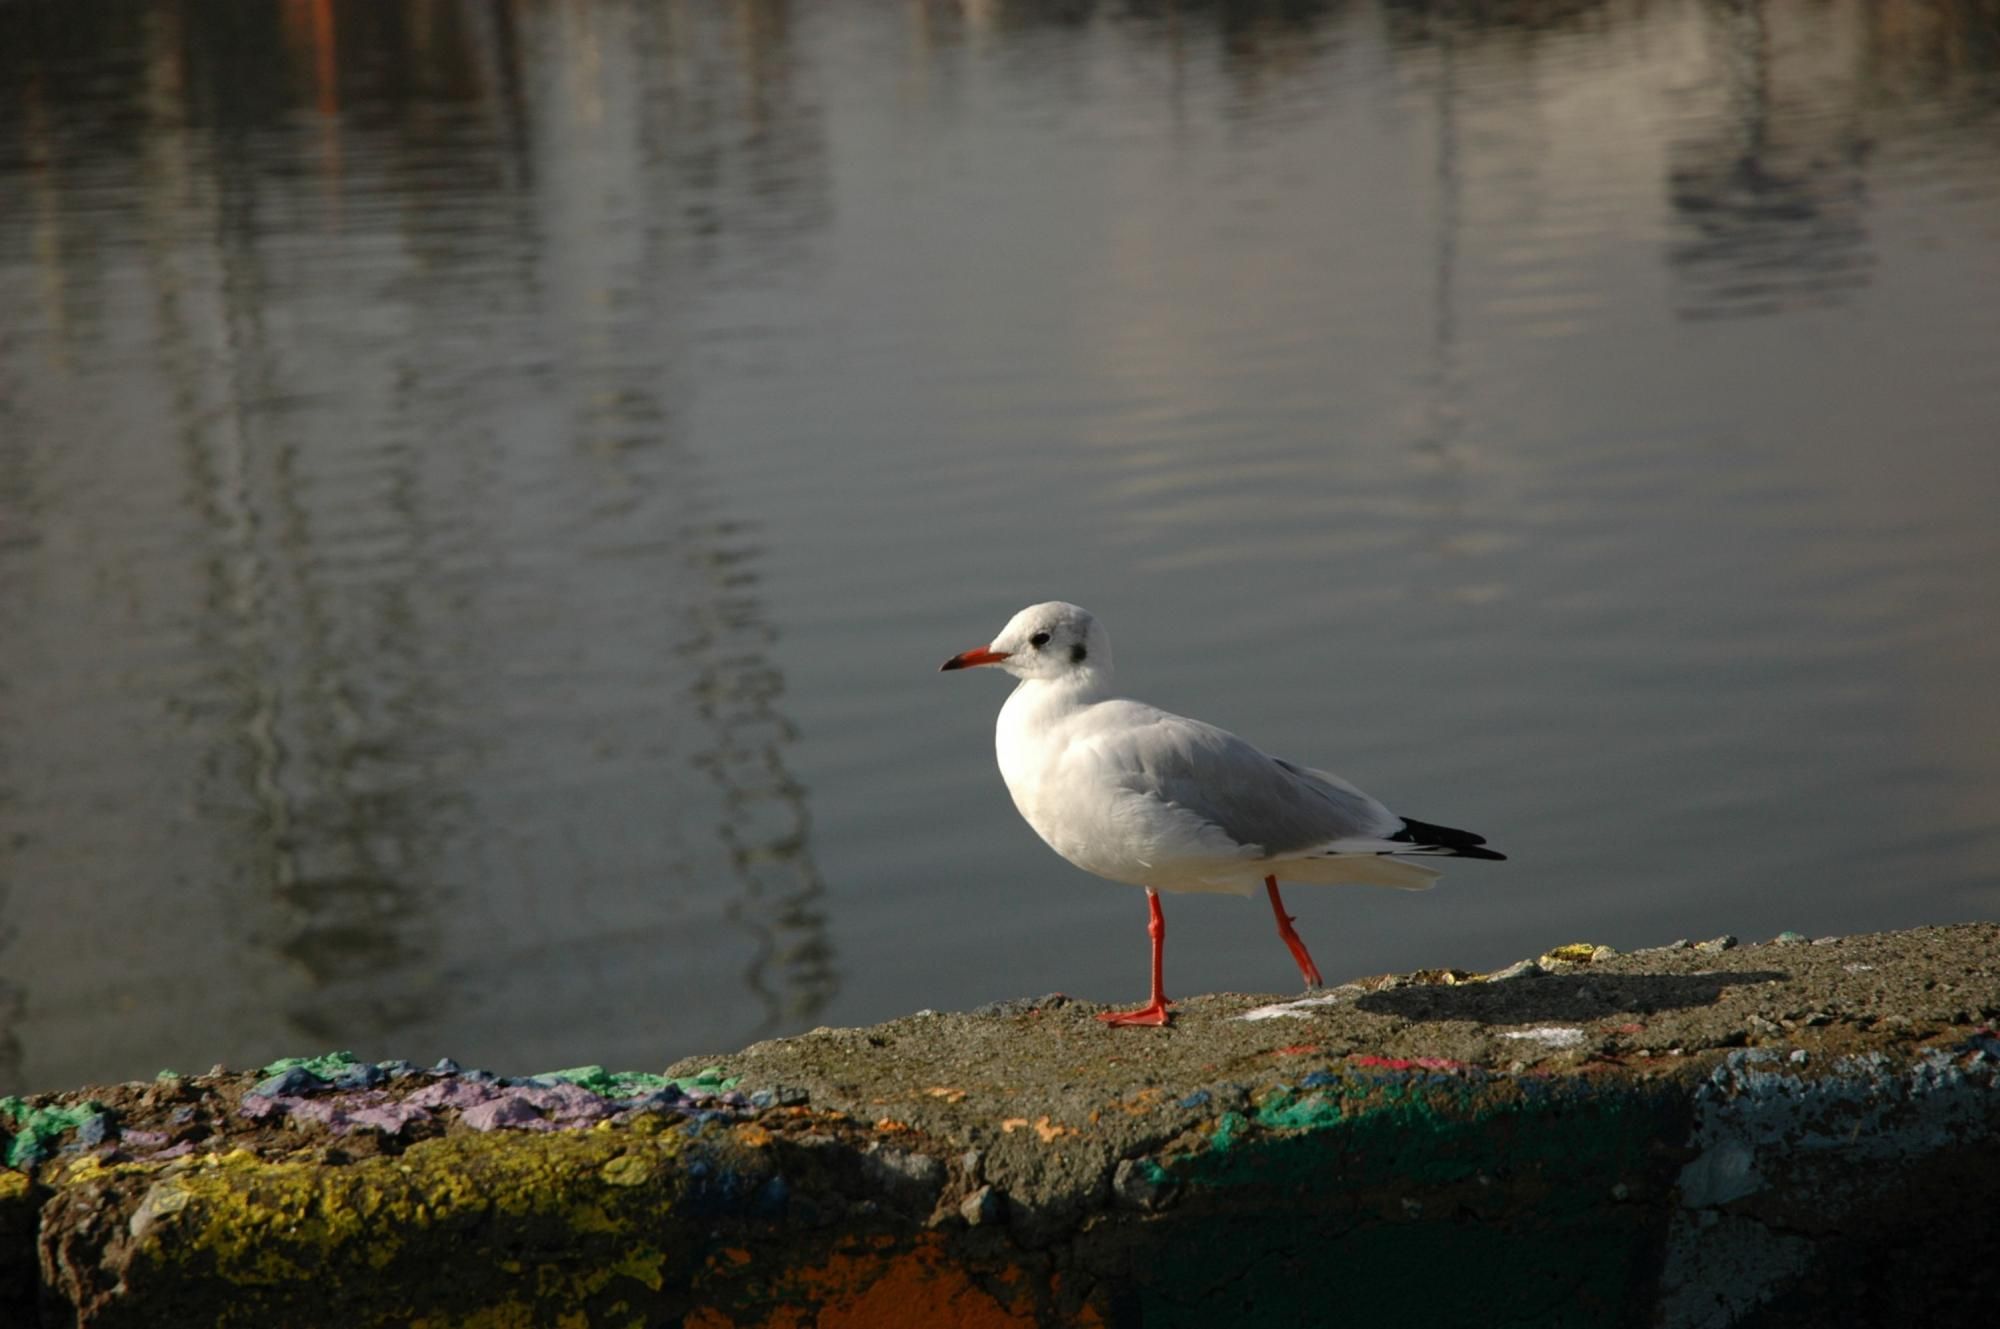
{"x": 1039, "y": 640}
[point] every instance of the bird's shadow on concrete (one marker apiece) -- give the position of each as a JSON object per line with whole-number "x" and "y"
{"x": 1573, "y": 998}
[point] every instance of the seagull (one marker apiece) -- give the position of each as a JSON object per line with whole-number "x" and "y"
{"x": 1140, "y": 795}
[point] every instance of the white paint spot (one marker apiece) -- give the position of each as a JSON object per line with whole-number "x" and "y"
{"x": 1299, "y": 1010}
{"x": 1554, "y": 1036}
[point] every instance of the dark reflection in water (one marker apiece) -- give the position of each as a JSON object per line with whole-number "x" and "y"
{"x": 446, "y": 652}
{"x": 1772, "y": 205}
{"x": 474, "y": 477}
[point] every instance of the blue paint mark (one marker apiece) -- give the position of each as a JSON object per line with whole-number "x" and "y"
{"x": 1199, "y": 1098}
{"x": 293, "y": 1083}
{"x": 364, "y": 1076}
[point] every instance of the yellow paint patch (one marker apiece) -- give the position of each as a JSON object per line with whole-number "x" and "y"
{"x": 276, "y": 1223}
{"x": 1577, "y": 952}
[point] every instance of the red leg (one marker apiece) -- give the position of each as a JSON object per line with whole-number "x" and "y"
{"x": 1291, "y": 938}
{"x": 1154, "y": 1011}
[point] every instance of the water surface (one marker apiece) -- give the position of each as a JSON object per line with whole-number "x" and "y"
{"x": 484, "y": 489}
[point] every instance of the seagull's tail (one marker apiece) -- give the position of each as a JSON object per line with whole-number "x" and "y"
{"x": 1368, "y": 868}
{"x": 1384, "y": 860}
{"x": 1441, "y": 842}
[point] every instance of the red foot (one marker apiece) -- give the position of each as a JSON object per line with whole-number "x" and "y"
{"x": 1307, "y": 969}
{"x": 1155, "y": 1014}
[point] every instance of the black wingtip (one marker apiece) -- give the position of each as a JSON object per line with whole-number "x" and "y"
{"x": 1473, "y": 851}
{"x": 1452, "y": 842}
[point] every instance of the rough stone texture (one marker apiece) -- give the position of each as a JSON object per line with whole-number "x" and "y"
{"x": 1792, "y": 1133}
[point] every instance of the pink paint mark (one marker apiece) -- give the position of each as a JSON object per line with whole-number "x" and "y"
{"x": 502, "y": 1112}
{"x": 1408, "y": 1063}
{"x": 1297, "y": 1050}
{"x": 1628, "y": 1029}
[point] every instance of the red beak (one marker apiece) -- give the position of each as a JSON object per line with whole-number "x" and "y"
{"x": 981, "y": 655}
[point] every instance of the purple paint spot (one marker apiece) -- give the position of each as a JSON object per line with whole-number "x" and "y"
{"x": 320, "y": 1111}
{"x": 390, "y": 1119}
{"x": 500, "y": 1112}
{"x": 566, "y": 1104}
{"x": 256, "y": 1107}
{"x": 454, "y": 1093}
{"x": 1408, "y": 1063}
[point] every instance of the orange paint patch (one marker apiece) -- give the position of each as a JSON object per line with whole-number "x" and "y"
{"x": 891, "y": 1125}
{"x": 1012, "y": 1124}
{"x": 756, "y": 1137}
{"x": 1049, "y": 1132}
{"x": 880, "y": 1284}
{"x": 946, "y": 1092}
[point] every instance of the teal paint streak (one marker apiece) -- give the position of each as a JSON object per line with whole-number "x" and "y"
{"x": 1229, "y": 1128}
{"x": 1283, "y": 1110}
{"x": 1423, "y": 1134}
{"x": 1353, "y": 1196}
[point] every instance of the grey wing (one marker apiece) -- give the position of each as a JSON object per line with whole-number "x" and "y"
{"x": 1254, "y": 798}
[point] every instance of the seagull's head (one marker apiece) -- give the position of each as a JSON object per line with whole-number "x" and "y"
{"x": 1054, "y": 640}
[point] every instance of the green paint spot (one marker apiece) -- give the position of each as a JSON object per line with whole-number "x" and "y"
{"x": 1228, "y": 1128}
{"x": 35, "y": 1130}
{"x": 611, "y": 1084}
{"x": 709, "y": 1078}
{"x": 326, "y": 1065}
{"x": 631, "y": 1084}
{"x": 167, "y": 1075}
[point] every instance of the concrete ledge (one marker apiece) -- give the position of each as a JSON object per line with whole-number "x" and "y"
{"x": 1786, "y": 1134}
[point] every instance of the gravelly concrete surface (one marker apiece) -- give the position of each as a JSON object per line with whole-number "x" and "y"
{"x": 1699, "y": 1134}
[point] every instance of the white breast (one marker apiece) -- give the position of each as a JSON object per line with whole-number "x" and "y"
{"x": 1075, "y": 799}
